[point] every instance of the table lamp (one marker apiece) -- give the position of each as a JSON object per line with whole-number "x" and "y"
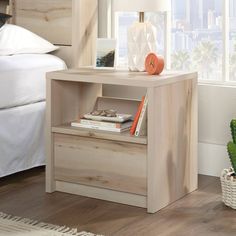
{"x": 142, "y": 35}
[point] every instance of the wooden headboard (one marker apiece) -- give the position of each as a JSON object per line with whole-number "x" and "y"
{"x": 70, "y": 24}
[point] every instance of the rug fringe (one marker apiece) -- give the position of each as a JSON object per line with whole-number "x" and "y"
{"x": 46, "y": 226}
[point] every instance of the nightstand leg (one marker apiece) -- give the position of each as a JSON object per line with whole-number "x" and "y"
{"x": 172, "y": 143}
{"x": 50, "y": 182}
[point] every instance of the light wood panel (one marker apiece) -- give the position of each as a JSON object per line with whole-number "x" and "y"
{"x": 121, "y": 77}
{"x": 121, "y": 105}
{"x": 85, "y": 28}
{"x": 64, "y": 104}
{"x": 49, "y": 19}
{"x": 172, "y": 143}
{"x": 72, "y": 100}
{"x": 102, "y": 163}
{"x": 103, "y": 194}
{"x": 50, "y": 182}
{"x": 71, "y": 24}
{"x": 3, "y": 6}
{"x": 98, "y": 134}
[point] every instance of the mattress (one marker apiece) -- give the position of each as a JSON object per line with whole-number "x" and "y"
{"x": 22, "y": 78}
{"x": 22, "y": 143}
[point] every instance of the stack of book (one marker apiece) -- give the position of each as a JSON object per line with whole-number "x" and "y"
{"x": 120, "y": 123}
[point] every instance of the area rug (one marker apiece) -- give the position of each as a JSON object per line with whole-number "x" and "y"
{"x": 17, "y": 226}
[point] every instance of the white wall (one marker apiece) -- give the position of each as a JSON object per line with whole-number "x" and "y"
{"x": 217, "y": 106}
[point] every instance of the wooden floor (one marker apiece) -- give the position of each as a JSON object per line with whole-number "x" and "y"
{"x": 200, "y": 213}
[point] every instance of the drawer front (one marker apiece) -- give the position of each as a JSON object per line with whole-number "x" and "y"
{"x": 101, "y": 163}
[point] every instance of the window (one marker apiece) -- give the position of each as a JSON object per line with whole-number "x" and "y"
{"x": 197, "y": 37}
{"x": 232, "y": 40}
{"x": 124, "y": 21}
{"x": 203, "y": 37}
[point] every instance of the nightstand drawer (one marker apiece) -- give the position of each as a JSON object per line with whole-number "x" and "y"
{"x": 101, "y": 163}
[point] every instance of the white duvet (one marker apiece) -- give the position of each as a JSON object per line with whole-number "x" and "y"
{"x": 22, "y": 78}
{"x": 22, "y": 143}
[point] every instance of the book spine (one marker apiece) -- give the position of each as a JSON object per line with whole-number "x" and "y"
{"x": 141, "y": 117}
{"x": 78, "y": 125}
{"x": 100, "y": 124}
{"x": 134, "y": 125}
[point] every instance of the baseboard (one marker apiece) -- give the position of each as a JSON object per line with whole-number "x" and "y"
{"x": 212, "y": 158}
{"x": 103, "y": 194}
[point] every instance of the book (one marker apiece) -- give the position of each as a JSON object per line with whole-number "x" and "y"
{"x": 120, "y": 118}
{"x": 141, "y": 128}
{"x": 136, "y": 118}
{"x": 125, "y": 127}
{"x": 105, "y": 123}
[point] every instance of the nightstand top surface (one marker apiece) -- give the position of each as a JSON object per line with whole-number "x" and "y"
{"x": 119, "y": 77}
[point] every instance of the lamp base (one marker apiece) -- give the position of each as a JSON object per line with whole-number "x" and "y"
{"x": 141, "y": 41}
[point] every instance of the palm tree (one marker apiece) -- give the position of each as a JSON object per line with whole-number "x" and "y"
{"x": 180, "y": 60}
{"x": 205, "y": 57}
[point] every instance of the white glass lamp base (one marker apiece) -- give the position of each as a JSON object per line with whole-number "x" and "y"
{"x": 142, "y": 40}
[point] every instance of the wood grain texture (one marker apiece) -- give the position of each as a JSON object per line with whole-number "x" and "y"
{"x": 101, "y": 163}
{"x": 121, "y": 105}
{"x": 172, "y": 146}
{"x": 3, "y": 6}
{"x": 89, "y": 92}
{"x": 64, "y": 103}
{"x": 50, "y": 19}
{"x": 71, "y": 24}
{"x": 103, "y": 194}
{"x": 116, "y": 77}
{"x": 49, "y": 143}
{"x": 72, "y": 100}
{"x": 97, "y": 134}
{"x": 193, "y": 142}
{"x": 85, "y": 28}
{"x": 200, "y": 213}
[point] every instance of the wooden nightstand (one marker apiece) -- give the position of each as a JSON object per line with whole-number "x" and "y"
{"x": 151, "y": 171}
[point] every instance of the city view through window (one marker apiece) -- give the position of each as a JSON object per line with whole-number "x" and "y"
{"x": 197, "y": 41}
{"x": 196, "y": 36}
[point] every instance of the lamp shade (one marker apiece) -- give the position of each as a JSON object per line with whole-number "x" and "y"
{"x": 141, "y": 5}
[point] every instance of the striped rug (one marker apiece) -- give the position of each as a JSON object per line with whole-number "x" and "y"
{"x": 13, "y": 225}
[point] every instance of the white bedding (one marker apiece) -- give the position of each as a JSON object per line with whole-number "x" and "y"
{"x": 22, "y": 78}
{"x": 22, "y": 138}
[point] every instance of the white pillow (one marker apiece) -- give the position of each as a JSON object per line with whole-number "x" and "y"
{"x": 17, "y": 40}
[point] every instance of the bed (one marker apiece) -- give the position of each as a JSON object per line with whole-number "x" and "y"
{"x": 22, "y": 78}
{"x": 22, "y": 110}
{"x": 72, "y": 26}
